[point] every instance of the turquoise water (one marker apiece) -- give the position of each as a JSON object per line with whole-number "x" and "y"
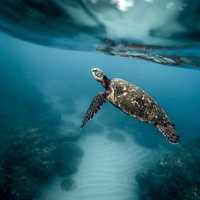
{"x": 128, "y": 28}
{"x": 46, "y": 156}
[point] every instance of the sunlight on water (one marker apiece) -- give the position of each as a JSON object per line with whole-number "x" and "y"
{"x": 46, "y": 156}
{"x": 131, "y": 25}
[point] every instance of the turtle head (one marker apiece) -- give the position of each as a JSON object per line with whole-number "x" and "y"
{"x": 99, "y": 75}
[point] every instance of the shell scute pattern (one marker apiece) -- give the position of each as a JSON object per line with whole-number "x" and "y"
{"x": 134, "y": 101}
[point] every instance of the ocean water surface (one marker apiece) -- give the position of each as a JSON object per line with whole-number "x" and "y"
{"x": 46, "y": 156}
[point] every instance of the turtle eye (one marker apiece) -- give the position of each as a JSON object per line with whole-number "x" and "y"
{"x": 98, "y": 74}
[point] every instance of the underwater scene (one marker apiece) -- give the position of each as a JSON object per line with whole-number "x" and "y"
{"x": 99, "y": 100}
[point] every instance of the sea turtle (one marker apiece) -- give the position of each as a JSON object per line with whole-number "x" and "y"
{"x": 131, "y": 100}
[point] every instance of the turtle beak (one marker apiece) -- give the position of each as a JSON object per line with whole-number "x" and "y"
{"x": 93, "y": 72}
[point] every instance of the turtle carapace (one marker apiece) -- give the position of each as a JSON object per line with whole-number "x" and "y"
{"x": 133, "y": 101}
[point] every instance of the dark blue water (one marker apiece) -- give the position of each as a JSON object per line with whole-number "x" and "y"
{"x": 46, "y": 89}
{"x": 44, "y": 153}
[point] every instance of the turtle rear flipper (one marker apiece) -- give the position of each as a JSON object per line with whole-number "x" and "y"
{"x": 169, "y": 132}
{"x": 95, "y": 105}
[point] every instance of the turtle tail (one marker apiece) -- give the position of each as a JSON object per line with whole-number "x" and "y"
{"x": 169, "y": 132}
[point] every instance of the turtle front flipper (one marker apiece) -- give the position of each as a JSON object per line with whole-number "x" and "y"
{"x": 95, "y": 105}
{"x": 169, "y": 132}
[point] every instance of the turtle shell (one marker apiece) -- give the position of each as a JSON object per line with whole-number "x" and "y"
{"x": 135, "y": 102}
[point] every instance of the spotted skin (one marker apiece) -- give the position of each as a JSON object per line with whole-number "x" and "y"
{"x": 137, "y": 103}
{"x": 94, "y": 107}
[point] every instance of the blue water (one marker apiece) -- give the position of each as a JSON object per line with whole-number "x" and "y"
{"x": 128, "y": 28}
{"x": 44, "y": 95}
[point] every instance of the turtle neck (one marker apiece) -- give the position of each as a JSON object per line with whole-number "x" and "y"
{"x": 106, "y": 82}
